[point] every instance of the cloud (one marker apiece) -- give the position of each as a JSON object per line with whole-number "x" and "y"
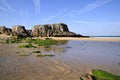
{"x": 61, "y": 14}
{"x": 83, "y": 22}
{"x": 3, "y": 9}
{"x": 37, "y": 6}
{"x": 69, "y": 14}
{"x": 52, "y": 17}
{"x": 94, "y": 5}
{"x": 7, "y": 7}
{"x": 114, "y": 23}
{"x": 25, "y": 16}
{"x": 57, "y": 15}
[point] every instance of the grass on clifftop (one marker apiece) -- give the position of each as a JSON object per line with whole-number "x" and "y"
{"x": 103, "y": 75}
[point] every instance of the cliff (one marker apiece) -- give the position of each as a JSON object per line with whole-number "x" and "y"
{"x": 47, "y": 30}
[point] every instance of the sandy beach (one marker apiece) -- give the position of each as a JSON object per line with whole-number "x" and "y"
{"x": 88, "y": 39}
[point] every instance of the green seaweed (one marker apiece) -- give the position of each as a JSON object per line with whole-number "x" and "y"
{"x": 103, "y": 75}
{"x": 45, "y": 55}
{"x": 36, "y": 52}
{"x": 26, "y": 46}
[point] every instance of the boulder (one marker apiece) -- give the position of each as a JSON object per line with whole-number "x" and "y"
{"x": 4, "y": 30}
{"x": 19, "y": 31}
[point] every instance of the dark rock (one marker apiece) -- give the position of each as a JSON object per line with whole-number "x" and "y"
{"x": 4, "y": 30}
{"x": 19, "y": 31}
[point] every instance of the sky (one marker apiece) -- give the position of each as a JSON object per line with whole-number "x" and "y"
{"x": 86, "y": 17}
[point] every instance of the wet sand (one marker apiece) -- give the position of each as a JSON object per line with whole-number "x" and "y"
{"x": 15, "y": 67}
{"x": 70, "y": 60}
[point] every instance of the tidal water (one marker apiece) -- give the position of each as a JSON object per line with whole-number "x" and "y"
{"x": 71, "y": 59}
{"x": 92, "y": 54}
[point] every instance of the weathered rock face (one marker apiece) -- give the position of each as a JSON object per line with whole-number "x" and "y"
{"x": 19, "y": 31}
{"x": 4, "y": 30}
{"x": 60, "y": 29}
{"x": 54, "y": 30}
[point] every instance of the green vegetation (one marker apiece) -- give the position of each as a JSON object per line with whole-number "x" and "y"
{"x": 36, "y": 52}
{"x": 62, "y": 42}
{"x": 23, "y": 54}
{"x": 40, "y": 42}
{"x": 103, "y": 75}
{"x": 27, "y": 46}
{"x": 14, "y": 40}
{"x": 45, "y": 55}
{"x": 47, "y": 42}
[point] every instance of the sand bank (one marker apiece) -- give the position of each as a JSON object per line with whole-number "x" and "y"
{"x": 88, "y": 39}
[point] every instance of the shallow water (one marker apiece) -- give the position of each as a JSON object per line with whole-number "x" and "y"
{"x": 70, "y": 60}
{"x": 93, "y": 54}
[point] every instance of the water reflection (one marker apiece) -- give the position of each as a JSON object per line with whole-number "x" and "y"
{"x": 57, "y": 48}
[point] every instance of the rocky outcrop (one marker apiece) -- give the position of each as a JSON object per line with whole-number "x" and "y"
{"x": 4, "y": 30}
{"x": 19, "y": 31}
{"x": 57, "y": 30}
{"x": 47, "y": 30}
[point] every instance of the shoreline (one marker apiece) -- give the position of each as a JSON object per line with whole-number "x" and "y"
{"x": 87, "y": 39}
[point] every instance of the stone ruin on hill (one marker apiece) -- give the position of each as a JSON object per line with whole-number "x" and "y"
{"x": 47, "y": 30}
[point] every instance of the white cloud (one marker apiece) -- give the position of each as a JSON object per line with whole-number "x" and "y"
{"x": 25, "y": 16}
{"x": 94, "y": 5}
{"x": 69, "y": 14}
{"x": 3, "y": 9}
{"x": 83, "y": 22}
{"x": 52, "y": 17}
{"x": 37, "y": 6}
{"x": 7, "y": 7}
{"x": 56, "y": 16}
{"x": 61, "y": 14}
{"x": 114, "y": 23}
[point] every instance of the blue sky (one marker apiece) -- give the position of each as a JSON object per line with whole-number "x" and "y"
{"x": 86, "y": 17}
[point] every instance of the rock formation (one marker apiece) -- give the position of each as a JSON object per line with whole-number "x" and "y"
{"x": 47, "y": 30}
{"x": 4, "y": 30}
{"x": 19, "y": 31}
{"x": 60, "y": 29}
